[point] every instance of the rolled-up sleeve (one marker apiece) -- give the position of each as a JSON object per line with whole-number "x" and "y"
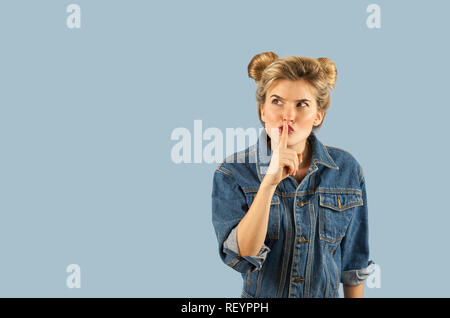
{"x": 231, "y": 248}
{"x": 356, "y": 266}
{"x": 229, "y": 206}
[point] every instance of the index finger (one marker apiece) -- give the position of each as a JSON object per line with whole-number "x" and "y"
{"x": 284, "y": 135}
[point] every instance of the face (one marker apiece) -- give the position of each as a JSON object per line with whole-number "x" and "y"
{"x": 295, "y": 101}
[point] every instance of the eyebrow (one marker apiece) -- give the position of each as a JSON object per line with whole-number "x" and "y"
{"x": 300, "y": 100}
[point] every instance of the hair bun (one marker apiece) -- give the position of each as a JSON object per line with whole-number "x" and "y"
{"x": 329, "y": 68}
{"x": 259, "y": 63}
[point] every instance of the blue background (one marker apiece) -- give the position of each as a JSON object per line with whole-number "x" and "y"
{"x": 86, "y": 117}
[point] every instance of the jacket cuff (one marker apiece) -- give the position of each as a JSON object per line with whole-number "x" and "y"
{"x": 357, "y": 276}
{"x": 231, "y": 248}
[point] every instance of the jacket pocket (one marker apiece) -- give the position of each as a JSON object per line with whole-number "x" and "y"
{"x": 273, "y": 227}
{"x": 335, "y": 213}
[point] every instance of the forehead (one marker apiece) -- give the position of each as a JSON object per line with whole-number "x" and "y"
{"x": 291, "y": 90}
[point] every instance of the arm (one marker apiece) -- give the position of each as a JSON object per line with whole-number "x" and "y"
{"x": 240, "y": 230}
{"x": 354, "y": 291}
{"x": 252, "y": 229}
{"x": 229, "y": 207}
{"x": 356, "y": 266}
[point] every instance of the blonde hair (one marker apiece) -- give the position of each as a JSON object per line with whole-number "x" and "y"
{"x": 320, "y": 73}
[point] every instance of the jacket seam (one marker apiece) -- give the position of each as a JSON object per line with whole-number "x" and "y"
{"x": 335, "y": 269}
{"x": 285, "y": 255}
{"x": 294, "y": 245}
{"x": 310, "y": 251}
{"x": 226, "y": 171}
{"x": 327, "y": 274}
{"x": 310, "y": 192}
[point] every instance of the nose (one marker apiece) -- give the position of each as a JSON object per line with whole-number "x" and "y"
{"x": 289, "y": 116}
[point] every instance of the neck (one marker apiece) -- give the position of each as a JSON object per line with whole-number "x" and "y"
{"x": 304, "y": 149}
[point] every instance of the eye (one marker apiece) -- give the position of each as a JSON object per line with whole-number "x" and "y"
{"x": 273, "y": 101}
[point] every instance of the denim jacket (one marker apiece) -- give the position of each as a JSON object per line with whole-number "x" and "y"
{"x": 317, "y": 233}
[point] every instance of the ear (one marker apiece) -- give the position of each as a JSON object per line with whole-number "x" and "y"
{"x": 263, "y": 115}
{"x": 319, "y": 118}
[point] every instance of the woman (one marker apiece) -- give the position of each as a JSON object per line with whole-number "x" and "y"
{"x": 290, "y": 214}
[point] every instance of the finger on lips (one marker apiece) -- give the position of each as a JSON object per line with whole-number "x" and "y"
{"x": 283, "y": 145}
{"x": 284, "y": 135}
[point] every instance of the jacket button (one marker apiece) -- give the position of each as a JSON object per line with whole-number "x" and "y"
{"x": 302, "y": 240}
{"x": 298, "y": 279}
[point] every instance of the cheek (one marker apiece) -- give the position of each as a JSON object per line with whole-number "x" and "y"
{"x": 272, "y": 117}
{"x": 272, "y": 122}
{"x": 306, "y": 117}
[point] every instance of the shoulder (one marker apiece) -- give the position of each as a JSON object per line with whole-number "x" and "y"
{"x": 238, "y": 161}
{"x": 345, "y": 160}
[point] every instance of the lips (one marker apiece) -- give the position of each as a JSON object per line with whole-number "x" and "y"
{"x": 290, "y": 129}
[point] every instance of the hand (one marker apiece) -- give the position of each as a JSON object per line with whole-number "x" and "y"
{"x": 284, "y": 161}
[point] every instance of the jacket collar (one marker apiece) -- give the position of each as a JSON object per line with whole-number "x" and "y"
{"x": 320, "y": 154}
